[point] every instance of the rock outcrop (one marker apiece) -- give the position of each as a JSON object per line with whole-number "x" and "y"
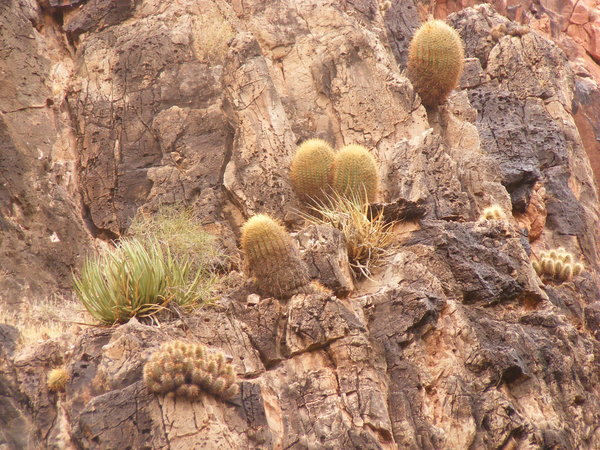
{"x": 456, "y": 343}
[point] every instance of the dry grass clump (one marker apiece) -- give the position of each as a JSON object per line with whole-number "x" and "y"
{"x": 210, "y": 33}
{"x": 44, "y": 319}
{"x": 368, "y": 239}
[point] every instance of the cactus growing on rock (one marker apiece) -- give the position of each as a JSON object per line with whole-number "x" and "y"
{"x": 271, "y": 258}
{"x": 435, "y": 61}
{"x": 186, "y": 369}
{"x": 310, "y": 169}
{"x": 354, "y": 173}
{"x": 557, "y": 264}
{"x": 493, "y": 212}
{"x": 57, "y": 379}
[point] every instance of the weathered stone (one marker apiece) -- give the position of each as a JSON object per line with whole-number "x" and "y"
{"x": 324, "y": 251}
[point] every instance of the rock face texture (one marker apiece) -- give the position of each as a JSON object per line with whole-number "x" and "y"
{"x": 455, "y": 343}
{"x": 574, "y": 25}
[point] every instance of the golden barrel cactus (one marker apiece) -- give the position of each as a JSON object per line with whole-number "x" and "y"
{"x": 354, "y": 173}
{"x": 435, "y": 61}
{"x": 271, "y": 259}
{"x": 310, "y": 169}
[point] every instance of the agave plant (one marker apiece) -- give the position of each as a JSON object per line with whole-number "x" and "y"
{"x": 135, "y": 279}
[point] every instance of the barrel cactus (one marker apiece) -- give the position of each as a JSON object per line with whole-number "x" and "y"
{"x": 354, "y": 173}
{"x": 435, "y": 61}
{"x": 57, "y": 379}
{"x": 271, "y": 259}
{"x": 186, "y": 370}
{"x": 310, "y": 169}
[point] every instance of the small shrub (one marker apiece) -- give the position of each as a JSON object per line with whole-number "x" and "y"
{"x": 57, "y": 379}
{"x": 185, "y": 370}
{"x": 177, "y": 230}
{"x": 210, "y": 34}
{"x": 136, "y": 279}
{"x": 368, "y": 239}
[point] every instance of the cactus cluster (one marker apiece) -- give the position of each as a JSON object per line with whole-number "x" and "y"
{"x": 272, "y": 259}
{"x": 57, "y": 379}
{"x": 493, "y": 212}
{"x": 317, "y": 172}
{"x": 435, "y": 61}
{"x": 557, "y": 264}
{"x": 186, "y": 369}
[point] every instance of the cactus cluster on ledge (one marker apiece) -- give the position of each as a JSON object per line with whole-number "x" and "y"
{"x": 271, "y": 259}
{"x": 557, "y": 264}
{"x": 318, "y": 173}
{"x": 493, "y": 212}
{"x": 435, "y": 61}
{"x": 186, "y": 370}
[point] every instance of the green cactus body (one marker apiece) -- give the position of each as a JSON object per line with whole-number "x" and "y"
{"x": 435, "y": 61}
{"x": 354, "y": 173}
{"x": 163, "y": 376}
{"x": 271, "y": 258}
{"x": 310, "y": 170}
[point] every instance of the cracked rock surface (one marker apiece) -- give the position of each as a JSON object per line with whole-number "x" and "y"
{"x": 107, "y": 108}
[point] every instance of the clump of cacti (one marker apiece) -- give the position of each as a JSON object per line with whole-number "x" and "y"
{"x": 435, "y": 61}
{"x": 557, "y": 264}
{"x": 271, "y": 259}
{"x": 186, "y": 370}
{"x": 493, "y": 212}
{"x": 310, "y": 169}
{"x": 354, "y": 173}
{"x": 57, "y": 379}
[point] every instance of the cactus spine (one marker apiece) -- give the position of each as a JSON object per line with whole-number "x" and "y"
{"x": 435, "y": 61}
{"x": 271, "y": 258}
{"x": 185, "y": 370}
{"x": 354, "y": 173}
{"x": 310, "y": 169}
{"x": 493, "y": 212}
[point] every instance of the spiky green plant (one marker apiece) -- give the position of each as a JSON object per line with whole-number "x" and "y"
{"x": 186, "y": 369}
{"x": 310, "y": 169}
{"x": 435, "y": 61}
{"x": 354, "y": 173}
{"x": 271, "y": 259}
{"x": 369, "y": 239}
{"x": 136, "y": 279}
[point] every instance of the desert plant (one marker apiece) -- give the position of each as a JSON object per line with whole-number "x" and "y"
{"x": 369, "y": 239}
{"x": 557, "y": 264}
{"x": 435, "y": 61}
{"x": 493, "y": 212}
{"x": 136, "y": 279}
{"x": 177, "y": 230}
{"x": 271, "y": 259}
{"x": 57, "y": 379}
{"x": 310, "y": 169}
{"x": 186, "y": 369}
{"x": 354, "y": 173}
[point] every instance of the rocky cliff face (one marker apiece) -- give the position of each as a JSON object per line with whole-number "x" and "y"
{"x": 112, "y": 107}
